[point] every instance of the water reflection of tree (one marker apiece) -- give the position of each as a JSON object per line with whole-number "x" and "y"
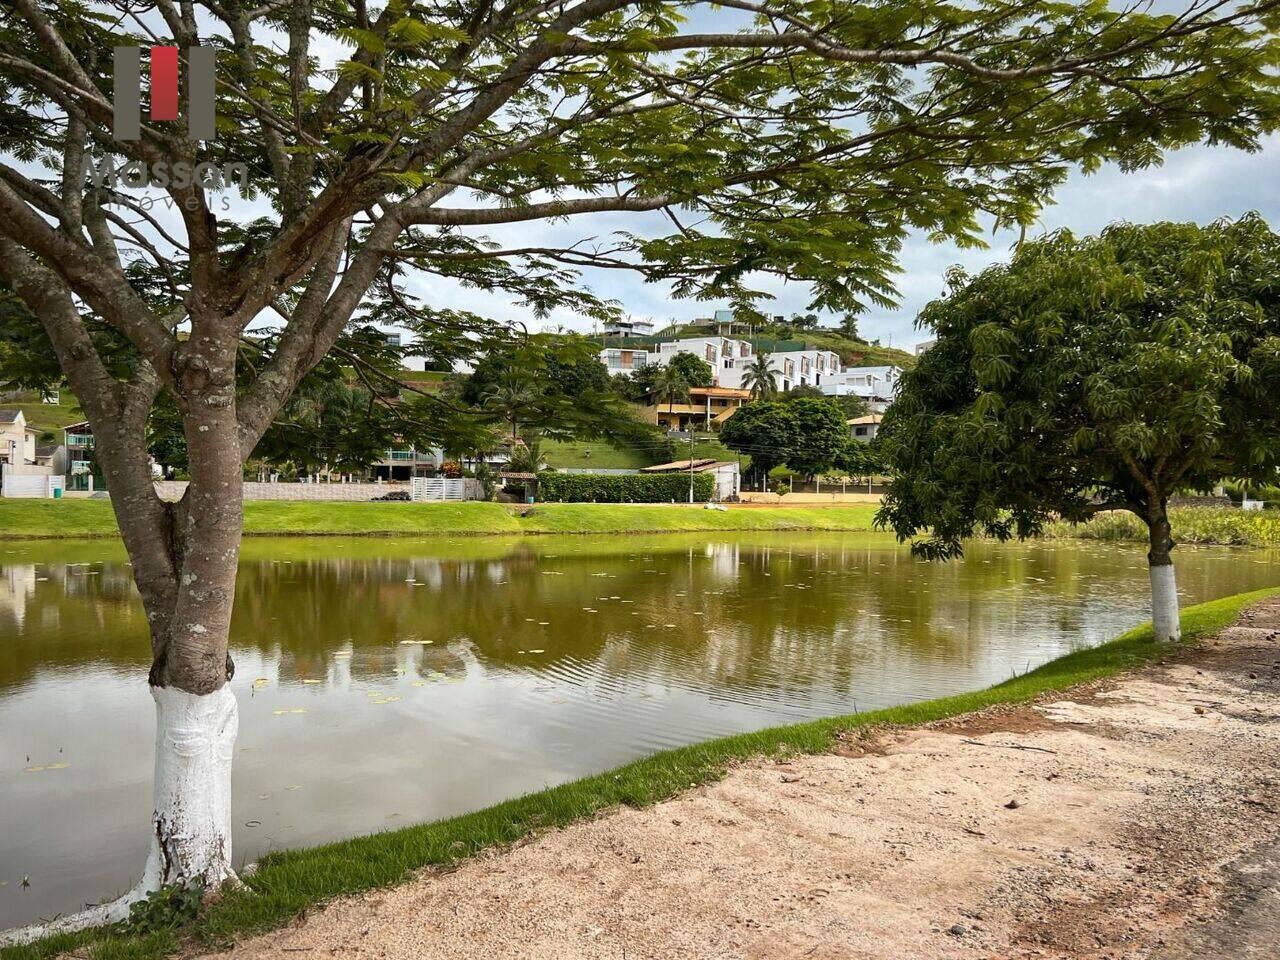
{"x": 68, "y": 615}
{"x": 753, "y": 614}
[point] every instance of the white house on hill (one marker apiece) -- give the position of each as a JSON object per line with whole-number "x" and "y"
{"x": 729, "y": 359}
{"x": 876, "y": 385}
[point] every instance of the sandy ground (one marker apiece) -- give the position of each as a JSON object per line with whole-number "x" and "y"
{"x": 1139, "y": 818}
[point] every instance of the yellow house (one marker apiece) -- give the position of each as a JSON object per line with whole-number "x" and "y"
{"x": 707, "y": 409}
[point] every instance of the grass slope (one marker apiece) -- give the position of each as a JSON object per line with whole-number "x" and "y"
{"x": 1199, "y": 525}
{"x": 287, "y": 883}
{"x": 47, "y": 417}
{"x": 593, "y": 453}
{"x": 76, "y": 518}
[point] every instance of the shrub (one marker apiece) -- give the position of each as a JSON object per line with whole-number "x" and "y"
{"x": 1255, "y": 491}
{"x": 1192, "y": 525}
{"x": 624, "y": 488}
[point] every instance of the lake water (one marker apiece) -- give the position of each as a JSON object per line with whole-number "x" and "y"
{"x": 386, "y": 682}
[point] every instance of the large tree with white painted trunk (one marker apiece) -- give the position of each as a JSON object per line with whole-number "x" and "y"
{"x": 1088, "y": 375}
{"x": 799, "y": 137}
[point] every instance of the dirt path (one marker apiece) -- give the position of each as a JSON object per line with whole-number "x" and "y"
{"x": 1140, "y": 818}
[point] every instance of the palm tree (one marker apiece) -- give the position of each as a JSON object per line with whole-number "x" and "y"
{"x": 759, "y": 378}
{"x": 528, "y": 458}
{"x": 669, "y": 384}
{"x": 510, "y": 397}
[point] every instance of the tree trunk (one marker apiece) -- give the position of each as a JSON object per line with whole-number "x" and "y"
{"x": 1165, "y": 619}
{"x": 189, "y": 613}
{"x": 191, "y": 815}
{"x": 196, "y": 717}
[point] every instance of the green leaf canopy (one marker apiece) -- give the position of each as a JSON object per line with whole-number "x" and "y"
{"x": 1090, "y": 373}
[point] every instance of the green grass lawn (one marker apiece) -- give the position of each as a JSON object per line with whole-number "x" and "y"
{"x": 70, "y": 518}
{"x": 575, "y": 454}
{"x": 56, "y": 518}
{"x": 47, "y": 417}
{"x": 262, "y": 517}
{"x": 74, "y": 517}
{"x": 654, "y": 518}
{"x": 288, "y": 883}
{"x": 593, "y": 453}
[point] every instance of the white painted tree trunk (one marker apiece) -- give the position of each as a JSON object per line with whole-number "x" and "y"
{"x": 191, "y": 813}
{"x": 1164, "y": 603}
{"x": 191, "y": 818}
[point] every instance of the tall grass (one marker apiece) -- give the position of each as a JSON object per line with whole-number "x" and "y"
{"x": 1228, "y": 526}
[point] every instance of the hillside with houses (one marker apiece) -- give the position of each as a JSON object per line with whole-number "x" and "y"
{"x": 623, "y": 401}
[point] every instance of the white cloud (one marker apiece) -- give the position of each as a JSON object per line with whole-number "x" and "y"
{"x": 1199, "y": 184}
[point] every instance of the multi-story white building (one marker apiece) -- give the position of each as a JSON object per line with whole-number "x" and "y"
{"x": 726, "y": 356}
{"x": 729, "y": 359}
{"x": 876, "y": 385}
{"x": 624, "y": 360}
{"x": 805, "y": 368}
{"x": 628, "y": 328}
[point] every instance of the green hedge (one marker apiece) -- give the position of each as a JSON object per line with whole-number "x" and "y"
{"x": 624, "y": 488}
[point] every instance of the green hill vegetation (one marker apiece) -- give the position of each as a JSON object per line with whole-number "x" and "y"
{"x": 48, "y": 418}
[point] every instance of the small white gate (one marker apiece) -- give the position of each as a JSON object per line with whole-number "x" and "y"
{"x": 29, "y": 486}
{"x": 437, "y": 488}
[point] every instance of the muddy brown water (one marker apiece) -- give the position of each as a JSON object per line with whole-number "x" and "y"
{"x": 387, "y": 682}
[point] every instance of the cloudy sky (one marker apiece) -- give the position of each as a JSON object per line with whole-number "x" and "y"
{"x": 1200, "y": 184}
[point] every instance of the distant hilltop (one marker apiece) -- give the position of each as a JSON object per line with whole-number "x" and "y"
{"x": 852, "y": 352}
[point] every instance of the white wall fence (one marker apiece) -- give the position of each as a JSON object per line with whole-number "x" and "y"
{"x": 464, "y": 489}
{"x": 437, "y": 488}
{"x": 32, "y": 486}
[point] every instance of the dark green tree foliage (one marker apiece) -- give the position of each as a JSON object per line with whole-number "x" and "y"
{"x": 820, "y": 435}
{"x": 803, "y": 140}
{"x": 760, "y": 378}
{"x": 851, "y": 405}
{"x": 696, "y": 371}
{"x": 764, "y": 431}
{"x": 859, "y": 459}
{"x": 555, "y": 385}
{"x": 625, "y": 488}
{"x": 802, "y": 391}
{"x": 165, "y": 442}
{"x": 808, "y": 434}
{"x": 332, "y": 426}
{"x": 1090, "y": 374}
{"x": 848, "y": 326}
{"x": 692, "y": 370}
